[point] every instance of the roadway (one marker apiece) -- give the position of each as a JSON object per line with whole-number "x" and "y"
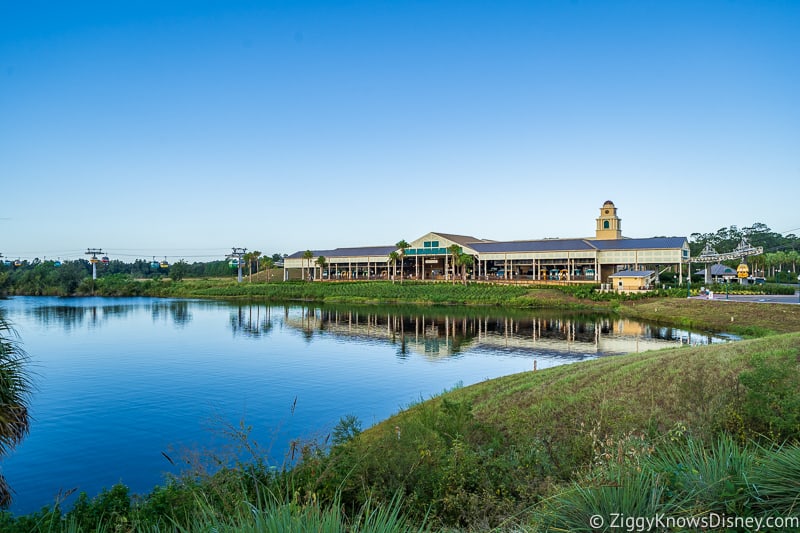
{"x": 757, "y": 298}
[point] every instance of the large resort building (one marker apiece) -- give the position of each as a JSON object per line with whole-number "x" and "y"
{"x": 608, "y": 257}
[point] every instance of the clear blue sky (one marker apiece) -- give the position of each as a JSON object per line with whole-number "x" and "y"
{"x": 182, "y": 129}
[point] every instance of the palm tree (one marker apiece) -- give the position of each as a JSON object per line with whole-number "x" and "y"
{"x": 255, "y": 254}
{"x": 308, "y": 255}
{"x": 463, "y": 260}
{"x": 268, "y": 263}
{"x": 15, "y": 390}
{"x": 403, "y": 246}
{"x": 455, "y": 251}
{"x": 393, "y": 257}
{"x": 248, "y": 258}
{"x": 321, "y": 261}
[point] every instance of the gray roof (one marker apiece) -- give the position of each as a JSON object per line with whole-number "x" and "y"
{"x": 463, "y": 240}
{"x": 719, "y": 270}
{"x": 637, "y": 244}
{"x": 346, "y": 252}
{"x": 546, "y": 245}
{"x": 633, "y": 274}
{"x": 555, "y": 245}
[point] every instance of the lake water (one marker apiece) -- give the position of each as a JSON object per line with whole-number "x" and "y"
{"x": 124, "y": 383}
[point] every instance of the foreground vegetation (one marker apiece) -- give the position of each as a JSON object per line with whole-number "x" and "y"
{"x": 685, "y": 431}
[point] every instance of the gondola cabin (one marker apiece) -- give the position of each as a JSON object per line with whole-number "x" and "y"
{"x": 7, "y": 263}
{"x": 94, "y": 260}
{"x": 742, "y": 271}
{"x": 105, "y": 260}
{"x": 163, "y": 264}
{"x": 56, "y": 263}
{"x": 236, "y": 263}
{"x": 17, "y": 263}
{"x": 154, "y": 264}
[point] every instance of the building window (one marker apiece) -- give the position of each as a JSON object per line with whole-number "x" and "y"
{"x": 605, "y": 224}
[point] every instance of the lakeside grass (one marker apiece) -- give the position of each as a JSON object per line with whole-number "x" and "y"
{"x": 744, "y": 318}
{"x": 494, "y": 453}
{"x": 741, "y": 318}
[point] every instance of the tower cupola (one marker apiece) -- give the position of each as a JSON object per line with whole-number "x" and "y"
{"x": 608, "y": 223}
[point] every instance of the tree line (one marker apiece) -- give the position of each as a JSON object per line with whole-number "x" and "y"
{"x": 781, "y": 252}
{"x": 63, "y": 278}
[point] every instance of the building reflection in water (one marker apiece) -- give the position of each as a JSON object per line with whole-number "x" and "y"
{"x": 436, "y": 334}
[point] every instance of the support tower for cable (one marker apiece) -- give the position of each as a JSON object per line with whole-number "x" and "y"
{"x": 94, "y": 260}
{"x": 236, "y": 256}
{"x": 710, "y": 256}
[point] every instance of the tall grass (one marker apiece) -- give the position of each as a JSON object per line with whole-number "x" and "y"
{"x": 682, "y": 479}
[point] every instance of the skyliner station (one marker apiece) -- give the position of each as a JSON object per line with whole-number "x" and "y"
{"x": 608, "y": 257}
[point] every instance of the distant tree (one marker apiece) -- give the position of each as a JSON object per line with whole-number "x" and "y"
{"x": 454, "y": 250}
{"x": 254, "y": 255}
{"x": 321, "y": 262}
{"x": 277, "y": 258}
{"x": 15, "y": 391}
{"x": 464, "y": 260}
{"x": 308, "y": 255}
{"x": 393, "y": 256}
{"x": 178, "y": 270}
{"x": 268, "y": 263}
{"x": 403, "y": 246}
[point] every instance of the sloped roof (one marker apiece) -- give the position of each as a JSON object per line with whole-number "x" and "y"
{"x": 348, "y": 252}
{"x": 633, "y": 274}
{"x": 634, "y": 244}
{"x": 463, "y": 240}
{"x": 719, "y": 270}
{"x": 545, "y": 245}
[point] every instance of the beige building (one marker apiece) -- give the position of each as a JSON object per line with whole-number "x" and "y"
{"x": 430, "y": 257}
{"x": 632, "y": 280}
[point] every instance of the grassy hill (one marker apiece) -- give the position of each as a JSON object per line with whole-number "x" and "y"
{"x": 479, "y": 456}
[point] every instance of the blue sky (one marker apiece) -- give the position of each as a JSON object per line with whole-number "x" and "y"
{"x": 181, "y": 129}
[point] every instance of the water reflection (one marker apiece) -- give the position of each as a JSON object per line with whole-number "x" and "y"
{"x": 436, "y": 333}
{"x": 251, "y": 320}
{"x": 94, "y": 312}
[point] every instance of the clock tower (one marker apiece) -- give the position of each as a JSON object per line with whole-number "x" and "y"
{"x": 608, "y": 224}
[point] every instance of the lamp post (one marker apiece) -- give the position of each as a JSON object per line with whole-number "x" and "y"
{"x": 689, "y": 284}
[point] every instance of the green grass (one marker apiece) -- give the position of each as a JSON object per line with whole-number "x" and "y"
{"x": 477, "y": 456}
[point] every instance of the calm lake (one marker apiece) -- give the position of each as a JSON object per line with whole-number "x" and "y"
{"x": 124, "y": 383}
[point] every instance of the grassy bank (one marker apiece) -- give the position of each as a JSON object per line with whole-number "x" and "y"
{"x": 667, "y": 307}
{"x": 743, "y": 318}
{"x": 493, "y": 453}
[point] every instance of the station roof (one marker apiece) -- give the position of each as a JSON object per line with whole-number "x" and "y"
{"x": 556, "y": 245}
{"x": 635, "y": 244}
{"x": 463, "y": 240}
{"x": 543, "y": 245}
{"x": 349, "y": 252}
